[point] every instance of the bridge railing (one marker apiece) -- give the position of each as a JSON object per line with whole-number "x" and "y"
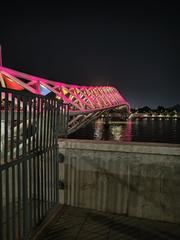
{"x": 29, "y": 128}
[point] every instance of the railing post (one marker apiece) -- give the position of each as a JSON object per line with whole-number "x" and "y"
{"x": 58, "y": 111}
{"x": 24, "y": 174}
{"x": 66, "y": 119}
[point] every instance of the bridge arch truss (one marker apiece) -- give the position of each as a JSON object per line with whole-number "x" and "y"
{"x": 85, "y": 102}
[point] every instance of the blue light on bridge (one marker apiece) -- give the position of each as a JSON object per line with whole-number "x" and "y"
{"x": 44, "y": 91}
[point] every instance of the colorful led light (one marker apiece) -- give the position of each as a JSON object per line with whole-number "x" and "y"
{"x": 43, "y": 90}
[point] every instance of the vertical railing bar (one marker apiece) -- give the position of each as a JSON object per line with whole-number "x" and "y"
{"x": 53, "y": 159}
{"x": 30, "y": 159}
{"x": 5, "y": 161}
{"x": 67, "y": 118}
{"x": 61, "y": 121}
{"x": 34, "y": 161}
{"x": 51, "y": 156}
{"x": 54, "y": 150}
{"x": 41, "y": 157}
{"x": 12, "y": 128}
{"x": 6, "y": 129}
{"x": 47, "y": 145}
{"x": 24, "y": 173}
{"x": 38, "y": 159}
{"x": 50, "y": 144}
{"x": 58, "y": 104}
{"x": 63, "y": 118}
{"x": 50, "y": 133}
{"x": 13, "y": 168}
{"x": 18, "y": 166}
{"x": 49, "y": 179}
{"x": 64, "y": 115}
{"x": 44, "y": 148}
{"x": 48, "y": 118}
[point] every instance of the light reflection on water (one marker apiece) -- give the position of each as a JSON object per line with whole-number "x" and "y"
{"x": 144, "y": 130}
{"x": 120, "y": 131}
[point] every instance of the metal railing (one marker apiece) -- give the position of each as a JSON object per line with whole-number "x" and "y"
{"x": 29, "y": 127}
{"x": 63, "y": 120}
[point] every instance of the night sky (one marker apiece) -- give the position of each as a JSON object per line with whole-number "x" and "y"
{"x": 133, "y": 47}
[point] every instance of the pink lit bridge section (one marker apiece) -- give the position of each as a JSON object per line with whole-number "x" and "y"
{"x": 85, "y": 102}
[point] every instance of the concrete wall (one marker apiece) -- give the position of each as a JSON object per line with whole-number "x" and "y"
{"x": 137, "y": 179}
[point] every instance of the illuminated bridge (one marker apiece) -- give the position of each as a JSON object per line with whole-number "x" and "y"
{"x": 85, "y": 102}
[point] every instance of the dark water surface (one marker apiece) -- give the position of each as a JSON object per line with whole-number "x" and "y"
{"x": 139, "y": 130}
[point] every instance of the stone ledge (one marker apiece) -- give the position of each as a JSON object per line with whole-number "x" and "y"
{"x": 113, "y": 146}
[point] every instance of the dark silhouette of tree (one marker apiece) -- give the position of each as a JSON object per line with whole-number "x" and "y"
{"x": 160, "y": 109}
{"x": 144, "y": 109}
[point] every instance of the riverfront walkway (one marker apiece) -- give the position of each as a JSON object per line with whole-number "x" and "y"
{"x": 83, "y": 224}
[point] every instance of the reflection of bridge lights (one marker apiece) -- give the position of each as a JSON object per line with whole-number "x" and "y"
{"x": 116, "y": 132}
{"x": 98, "y": 129}
{"x": 122, "y": 131}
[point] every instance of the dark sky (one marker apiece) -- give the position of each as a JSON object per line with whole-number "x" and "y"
{"x": 134, "y": 47}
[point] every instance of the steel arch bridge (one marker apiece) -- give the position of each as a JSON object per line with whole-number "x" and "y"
{"x": 85, "y": 102}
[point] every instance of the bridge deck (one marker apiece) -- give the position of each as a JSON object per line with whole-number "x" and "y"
{"x": 78, "y": 223}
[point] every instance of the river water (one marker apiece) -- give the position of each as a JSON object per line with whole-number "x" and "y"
{"x": 139, "y": 130}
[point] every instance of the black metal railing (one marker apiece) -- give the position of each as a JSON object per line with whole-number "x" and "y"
{"x": 63, "y": 120}
{"x": 29, "y": 127}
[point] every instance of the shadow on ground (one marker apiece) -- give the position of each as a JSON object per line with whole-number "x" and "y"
{"x": 78, "y": 223}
